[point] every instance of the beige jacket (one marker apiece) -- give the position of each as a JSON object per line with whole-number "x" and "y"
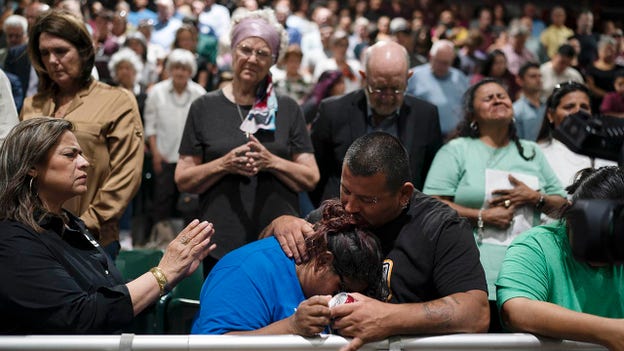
{"x": 109, "y": 129}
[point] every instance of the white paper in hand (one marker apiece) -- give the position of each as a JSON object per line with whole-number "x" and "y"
{"x": 523, "y": 216}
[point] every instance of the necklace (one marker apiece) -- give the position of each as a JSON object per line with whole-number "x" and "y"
{"x": 240, "y": 114}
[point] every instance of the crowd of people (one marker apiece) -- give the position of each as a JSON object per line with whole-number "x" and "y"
{"x": 402, "y": 153}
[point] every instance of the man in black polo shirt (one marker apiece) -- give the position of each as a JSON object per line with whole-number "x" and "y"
{"x": 435, "y": 280}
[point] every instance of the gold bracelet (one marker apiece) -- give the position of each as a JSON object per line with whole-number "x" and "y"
{"x": 161, "y": 279}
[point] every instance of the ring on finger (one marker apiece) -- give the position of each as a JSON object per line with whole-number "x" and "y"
{"x": 184, "y": 240}
{"x": 507, "y": 203}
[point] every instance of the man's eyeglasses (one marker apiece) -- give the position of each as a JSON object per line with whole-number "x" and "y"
{"x": 247, "y": 52}
{"x": 384, "y": 91}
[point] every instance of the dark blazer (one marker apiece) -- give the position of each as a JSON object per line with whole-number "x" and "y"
{"x": 342, "y": 119}
{"x": 18, "y": 63}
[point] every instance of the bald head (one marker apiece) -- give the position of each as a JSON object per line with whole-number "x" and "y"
{"x": 388, "y": 57}
{"x": 442, "y": 55}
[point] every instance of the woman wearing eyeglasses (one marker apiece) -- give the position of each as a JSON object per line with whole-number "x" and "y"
{"x": 246, "y": 150}
{"x": 566, "y": 99}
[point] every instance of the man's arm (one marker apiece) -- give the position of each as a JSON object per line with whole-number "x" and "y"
{"x": 545, "y": 318}
{"x": 369, "y": 320}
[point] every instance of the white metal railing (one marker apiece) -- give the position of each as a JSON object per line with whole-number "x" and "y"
{"x": 131, "y": 342}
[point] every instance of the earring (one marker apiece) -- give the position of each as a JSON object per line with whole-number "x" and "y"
{"x": 474, "y": 127}
{"x": 30, "y": 185}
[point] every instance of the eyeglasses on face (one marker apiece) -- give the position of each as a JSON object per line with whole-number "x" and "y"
{"x": 247, "y": 52}
{"x": 384, "y": 91}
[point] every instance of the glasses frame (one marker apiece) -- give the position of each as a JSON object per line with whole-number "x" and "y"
{"x": 261, "y": 54}
{"x": 385, "y": 91}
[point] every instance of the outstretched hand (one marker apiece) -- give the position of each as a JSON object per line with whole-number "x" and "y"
{"x": 186, "y": 252}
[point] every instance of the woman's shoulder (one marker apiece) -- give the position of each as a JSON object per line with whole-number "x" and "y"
{"x": 529, "y": 143}
{"x": 103, "y": 90}
{"x": 12, "y": 229}
{"x": 211, "y": 98}
{"x": 196, "y": 88}
{"x": 461, "y": 143}
{"x": 35, "y": 105}
{"x": 552, "y": 234}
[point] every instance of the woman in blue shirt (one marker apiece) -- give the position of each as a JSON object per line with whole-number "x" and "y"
{"x": 257, "y": 289}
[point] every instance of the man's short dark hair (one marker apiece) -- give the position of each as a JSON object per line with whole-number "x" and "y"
{"x": 523, "y": 70}
{"x": 566, "y": 50}
{"x": 379, "y": 152}
{"x": 619, "y": 74}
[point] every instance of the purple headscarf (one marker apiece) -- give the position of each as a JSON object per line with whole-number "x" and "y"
{"x": 257, "y": 27}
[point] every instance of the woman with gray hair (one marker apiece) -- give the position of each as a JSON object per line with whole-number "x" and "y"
{"x": 246, "y": 158}
{"x": 166, "y": 108}
{"x": 125, "y": 67}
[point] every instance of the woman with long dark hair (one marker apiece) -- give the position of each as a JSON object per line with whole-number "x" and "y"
{"x": 58, "y": 278}
{"x": 490, "y": 176}
{"x": 566, "y": 99}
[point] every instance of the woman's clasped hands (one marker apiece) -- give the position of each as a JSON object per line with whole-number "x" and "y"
{"x": 248, "y": 159}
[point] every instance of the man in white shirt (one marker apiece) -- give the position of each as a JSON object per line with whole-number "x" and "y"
{"x": 441, "y": 84}
{"x": 166, "y": 26}
{"x": 214, "y": 19}
{"x": 166, "y": 109}
{"x": 559, "y": 70}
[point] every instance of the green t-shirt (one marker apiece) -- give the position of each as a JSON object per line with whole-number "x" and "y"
{"x": 458, "y": 170}
{"x": 539, "y": 266}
